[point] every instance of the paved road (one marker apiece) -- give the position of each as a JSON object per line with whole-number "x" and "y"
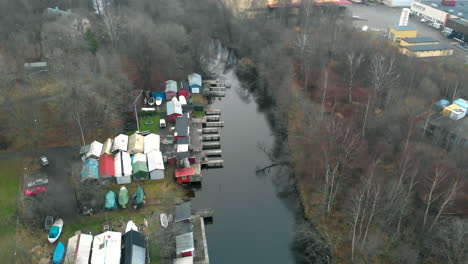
{"x": 380, "y": 17}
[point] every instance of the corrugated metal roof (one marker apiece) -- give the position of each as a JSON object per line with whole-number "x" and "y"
{"x": 174, "y": 107}
{"x": 420, "y": 40}
{"x": 106, "y": 248}
{"x": 155, "y": 161}
{"x": 78, "y": 253}
{"x": 184, "y": 243}
{"x": 404, "y": 28}
{"x": 430, "y": 47}
{"x": 184, "y": 172}
{"x": 194, "y": 80}
{"x": 133, "y": 247}
{"x": 171, "y": 86}
{"x": 183, "y": 212}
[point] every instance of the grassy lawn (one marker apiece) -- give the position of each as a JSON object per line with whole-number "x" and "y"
{"x": 199, "y": 113}
{"x": 154, "y": 127}
{"x": 9, "y": 181}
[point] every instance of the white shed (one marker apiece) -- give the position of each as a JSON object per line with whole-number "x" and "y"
{"x": 182, "y": 100}
{"x": 79, "y": 249}
{"x": 95, "y": 150}
{"x": 155, "y": 165}
{"x": 123, "y": 168}
{"x": 120, "y": 143}
{"x": 152, "y": 142}
{"x": 106, "y": 248}
{"x": 107, "y": 147}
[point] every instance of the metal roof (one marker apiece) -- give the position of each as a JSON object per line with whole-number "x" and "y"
{"x": 420, "y": 40}
{"x": 430, "y": 47}
{"x": 133, "y": 250}
{"x": 183, "y": 211}
{"x": 79, "y": 249}
{"x": 174, "y": 107}
{"x": 184, "y": 243}
{"x": 403, "y": 28}
{"x": 106, "y": 248}
{"x": 182, "y": 125}
{"x": 171, "y": 86}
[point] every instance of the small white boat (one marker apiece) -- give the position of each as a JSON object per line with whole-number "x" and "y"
{"x": 131, "y": 226}
{"x": 164, "y": 220}
{"x": 158, "y": 100}
{"x": 55, "y": 230}
{"x": 151, "y": 101}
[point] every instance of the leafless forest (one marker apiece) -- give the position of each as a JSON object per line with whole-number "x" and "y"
{"x": 349, "y": 105}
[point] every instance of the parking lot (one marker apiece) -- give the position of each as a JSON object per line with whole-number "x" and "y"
{"x": 379, "y": 17}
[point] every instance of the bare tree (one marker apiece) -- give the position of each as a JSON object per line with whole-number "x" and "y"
{"x": 354, "y": 62}
{"x": 383, "y": 75}
{"x": 451, "y": 241}
{"x": 113, "y": 25}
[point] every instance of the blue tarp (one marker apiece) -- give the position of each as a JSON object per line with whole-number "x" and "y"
{"x": 162, "y": 95}
{"x": 90, "y": 169}
{"x": 58, "y": 253}
{"x": 442, "y": 104}
{"x": 54, "y": 231}
{"x": 461, "y": 102}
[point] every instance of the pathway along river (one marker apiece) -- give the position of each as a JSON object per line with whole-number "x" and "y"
{"x": 251, "y": 223}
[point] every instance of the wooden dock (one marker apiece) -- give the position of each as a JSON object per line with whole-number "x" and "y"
{"x": 213, "y": 163}
{"x": 210, "y": 130}
{"x": 213, "y": 152}
{"x": 211, "y": 118}
{"x": 211, "y": 145}
{"x": 214, "y": 124}
{"x": 212, "y": 111}
{"x": 211, "y": 137}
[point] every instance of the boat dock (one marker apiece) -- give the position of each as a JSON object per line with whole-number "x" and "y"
{"x": 210, "y": 130}
{"x": 211, "y": 118}
{"x": 213, "y": 163}
{"x": 213, "y": 152}
{"x": 211, "y": 137}
{"x": 212, "y": 111}
{"x": 214, "y": 124}
{"x": 211, "y": 145}
{"x": 201, "y": 245}
{"x": 205, "y": 212}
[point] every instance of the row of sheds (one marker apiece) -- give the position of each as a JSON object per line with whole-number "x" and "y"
{"x": 109, "y": 247}
{"x": 192, "y": 85}
{"x": 143, "y": 159}
{"x": 183, "y": 228}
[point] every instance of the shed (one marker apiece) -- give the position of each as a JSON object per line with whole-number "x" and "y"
{"x": 174, "y": 110}
{"x": 159, "y": 94}
{"x": 184, "y": 260}
{"x": 155, "y": 160}
{"x": 123, "y": 168}
{"x": 79, "y": 249}
{"x": 139, "y": 167}
{"x": 418, "y": 41}
{"x": 120, "y": 143}
{"x": 461, "y": 102}
{"x": 183, "y": 212}
{"x": 106, "y": 248}
{"x": 133, "y": 248}
{"x": 152, "y": 142}
{"x": 195, "y": 83}
{"x": 185, "y": 245}
{"x": 107, "y": 147}
{"x": 427, "y": 50}
{"x": 136, "y": 144}
{"x": 396, "y": 33}
{"x": 95, "y": 149}
{"x": 90, "y": 170}
{"x": 183, "y": 175}
{"x": 171, "y": 89}
{"x": 106, "y": 166}
{"x": 182, "y": 100}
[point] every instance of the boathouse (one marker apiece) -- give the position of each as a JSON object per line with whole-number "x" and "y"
{"x": 174, "y": 110}
{"x": 185, "y": 245}
{"x": 155, "y": 165}
{"x": 123, "y": 167}
{"x": 107, "y": 147}
{"x": 183, "y": 175}
{"x": 195, "y": 83}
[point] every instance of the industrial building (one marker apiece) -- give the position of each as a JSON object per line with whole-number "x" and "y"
{"x": 439, "y": 11}
{"x": 457, "y": 28}
{"x": 424, "y": 51}
{"x": 396, "y": 33}
{"x": 397, "y": 3}
{"x": 418, "y": 41}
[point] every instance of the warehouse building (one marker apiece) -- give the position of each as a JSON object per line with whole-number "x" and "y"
{"x": 439, "y": 11}
{"x": 396, "y": 33}
{"x": 457, "y": 28}
{"x": 424, "y": 51}
{"x": 397, "y": 3}
{"x": 418, "y": 41}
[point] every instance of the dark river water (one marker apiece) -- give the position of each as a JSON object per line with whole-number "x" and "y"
{"x": 251, "y": 223}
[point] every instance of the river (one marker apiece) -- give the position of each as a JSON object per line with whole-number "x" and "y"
{"x": 252, "y": 224}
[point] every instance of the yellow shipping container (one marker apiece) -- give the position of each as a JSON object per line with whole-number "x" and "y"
{"x": 447, "y": 110}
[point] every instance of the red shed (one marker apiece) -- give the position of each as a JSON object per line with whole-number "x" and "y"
{"x": 183, "y": 92}
{"x": 183, "y": 175}
{"x": 106, "y": 166}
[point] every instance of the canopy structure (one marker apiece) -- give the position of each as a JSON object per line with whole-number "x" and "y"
{"x": 183, "y": 212}
{"x": 133, "y": 248}
{"x": 111, "y": 201}
{"x": 138, "y": 196}
{"x": 95, "y": 150}
{"x": 139, "y": 167}
{"x": 106, "y": 248}
{"x": 120, "y": 143}
{"x": 90, "y": 170}
{"x": 123, "y": 167}
{"x": 107, "y": 147}
{"x": 79, "y": 249}
{"x": 152, "y": 142}
{"x": 136, "y": 143}
{"x": 123, "y": 197}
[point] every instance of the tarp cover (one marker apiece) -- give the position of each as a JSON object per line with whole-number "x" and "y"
{"x": 140, "y": 170}
{"x": 133, "y": 248}
{"x": 139, "y": 195}
{"x": 152, "y": 142}
{"x": 90, "y": 170}
{"x": 110, "y": 201}
{"x": 58, "y": 253}
{"x": 123, "y": 196}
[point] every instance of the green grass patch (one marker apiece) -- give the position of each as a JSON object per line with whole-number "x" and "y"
{"x": 199, "y": 113}
{"x": 154, "y": 127}
{"x": 9, "y": 183}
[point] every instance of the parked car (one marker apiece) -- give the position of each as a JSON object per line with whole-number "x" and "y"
{"x": 162, "y": 123}
{"x": 44, "y": 161}
{"x": 35, "y": 190}
{"x": 423, "y": 20}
